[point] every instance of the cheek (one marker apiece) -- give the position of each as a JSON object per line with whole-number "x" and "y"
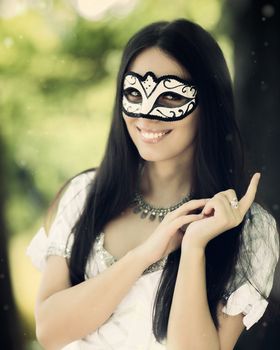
{"x": 188, "y": 126}
{"x": 183, "y": 138}
{"x": 129, "y": 122}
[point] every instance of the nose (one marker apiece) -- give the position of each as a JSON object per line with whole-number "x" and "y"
{"x": 146, "y": 123}
{"x": 150, "y": 124}
{"x": 147, "y": 106}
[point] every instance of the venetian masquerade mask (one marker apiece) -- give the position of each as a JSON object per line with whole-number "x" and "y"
{"x": 167, "y": 98}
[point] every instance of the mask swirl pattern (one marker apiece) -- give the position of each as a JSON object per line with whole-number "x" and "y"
{"x": 167, "y": 98}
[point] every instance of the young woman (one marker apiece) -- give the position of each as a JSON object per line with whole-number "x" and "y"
{"x": 153, "y": 250}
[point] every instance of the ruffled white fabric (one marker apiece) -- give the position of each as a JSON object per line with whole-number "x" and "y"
{"x": 130, "y": 326}
{"x": 260, "y": 242}
{"x": 37, "y": 249}
{"x": 248, "y": 301}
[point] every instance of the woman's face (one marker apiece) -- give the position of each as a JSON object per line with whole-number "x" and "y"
{"x": 158, "y": 140}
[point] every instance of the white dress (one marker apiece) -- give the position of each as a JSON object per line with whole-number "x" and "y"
{"x": 130, "y": 326}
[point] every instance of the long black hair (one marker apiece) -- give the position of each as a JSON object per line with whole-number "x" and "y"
{"x": 218, "y": 162}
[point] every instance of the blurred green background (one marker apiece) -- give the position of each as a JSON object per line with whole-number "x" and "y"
{"x": 58, "y": 66}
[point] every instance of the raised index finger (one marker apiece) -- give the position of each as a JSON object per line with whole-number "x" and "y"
{"x": 247, "y": 200}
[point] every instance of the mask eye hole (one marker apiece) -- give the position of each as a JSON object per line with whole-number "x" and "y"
{"x": 171, "y": 100}
{"x": 133, "y": 95}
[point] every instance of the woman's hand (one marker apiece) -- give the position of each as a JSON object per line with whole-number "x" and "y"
{"x": 219, "y": 215}
{"x": 168, "y": 235}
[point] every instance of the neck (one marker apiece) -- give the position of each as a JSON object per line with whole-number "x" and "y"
{"x": 166, "y": 183}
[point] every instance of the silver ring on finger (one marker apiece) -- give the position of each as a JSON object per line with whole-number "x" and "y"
{"x": 234, "y": 203}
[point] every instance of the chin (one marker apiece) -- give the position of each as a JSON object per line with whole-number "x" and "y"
{"x": 153, "y": 156}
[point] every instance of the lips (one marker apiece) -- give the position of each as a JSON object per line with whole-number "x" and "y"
{"x": 153, "y": 131}
{"x": 152, "y": 135}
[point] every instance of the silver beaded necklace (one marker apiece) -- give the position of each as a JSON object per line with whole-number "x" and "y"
{"x": 140, "y": 206}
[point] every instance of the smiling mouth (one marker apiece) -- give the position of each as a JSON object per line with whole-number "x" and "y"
{"x": 153, "y": 134}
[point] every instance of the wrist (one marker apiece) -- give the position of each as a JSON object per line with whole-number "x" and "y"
{"x": 192, "y": 242}
{"x": 192, "y": 250}
{"x": 140, "y": 255}
{"x": 193, "y": 258}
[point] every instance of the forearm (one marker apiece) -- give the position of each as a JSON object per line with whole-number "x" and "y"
{"x": 73, "y": 313}
{"x": 190, "y": 323}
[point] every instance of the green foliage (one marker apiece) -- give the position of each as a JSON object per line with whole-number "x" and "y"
{"x": 58, "y": 81}
{"x": 57, "y": 78}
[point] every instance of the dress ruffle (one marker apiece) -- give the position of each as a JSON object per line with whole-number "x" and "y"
{"x": 258, "y": 257}
{"x": 247, "y": 300}
{"x": 37, "y": 249}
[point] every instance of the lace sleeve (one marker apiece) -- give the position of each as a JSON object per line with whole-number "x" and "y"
{"x": 258, "y": 257}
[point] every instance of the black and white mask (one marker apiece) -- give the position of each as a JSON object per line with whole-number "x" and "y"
{"x": 167, "y": 98}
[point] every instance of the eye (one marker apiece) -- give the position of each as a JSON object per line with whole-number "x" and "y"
{"x": 171, "y": 99}
{"x": 133, "y": 95}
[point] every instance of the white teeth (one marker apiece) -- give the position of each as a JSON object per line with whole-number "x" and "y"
{"x": 152, "y": 135}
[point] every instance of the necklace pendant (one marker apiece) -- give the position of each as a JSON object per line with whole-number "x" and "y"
{"x": 136, "y": 209}
{"x": 144, "y": 213}
{"x": 161, "y": 216}
{"x": 152, "y": 216}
